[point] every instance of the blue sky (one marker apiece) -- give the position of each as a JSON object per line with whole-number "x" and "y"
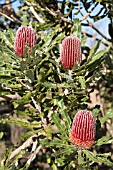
{"x": 15, "y": 4}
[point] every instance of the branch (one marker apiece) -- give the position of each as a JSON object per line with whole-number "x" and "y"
{"x": 26, "y": 144}
{"x": 97, "y": 39}
{"x": 84, "y": 17}
{"x": 91, "y": 25}
{"x": 56, "y": 14}
{"x": 37, "y": 106}
{"x": 35, "y": 13}
{"x": 6, "y": 16}
{"x": 13, "y": 19}
{"x": 4, "y": 98}
{"x": 4, "y": 4}
{"x": 8, "y": 108}
{"x": 32, "y": 156}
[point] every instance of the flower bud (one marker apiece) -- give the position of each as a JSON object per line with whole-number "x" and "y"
{"x": 83, "y": 129}
{"x": 70, "y": 51}
{"x": 24, "y": 36}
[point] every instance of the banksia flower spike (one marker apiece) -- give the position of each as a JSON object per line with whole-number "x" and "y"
{"x": 83, "y": 129}
{"x": 24, "y": 35}
{"x": 70, "y": 51}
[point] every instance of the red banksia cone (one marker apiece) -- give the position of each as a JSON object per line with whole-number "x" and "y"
{"x": 24, "y": 35}
{"x": 70, "y": 51}
{"x": 83, "y": 129}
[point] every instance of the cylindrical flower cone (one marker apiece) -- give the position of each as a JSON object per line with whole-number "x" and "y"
{"x": 83, "y": 129}
{"x": 70, "y": 51}
{"x": 24, "y": 36}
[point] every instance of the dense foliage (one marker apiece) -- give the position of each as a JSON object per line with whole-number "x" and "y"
{"x": 39, "y": 98}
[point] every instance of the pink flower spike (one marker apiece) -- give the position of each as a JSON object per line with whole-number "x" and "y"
{"x": 24, "y": 35}
{"x": 70, "y": 51}
{"x": 83, "y": 129}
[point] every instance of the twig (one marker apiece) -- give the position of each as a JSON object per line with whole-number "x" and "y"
{"x": 33, "y": 155}
{"x": 10, "y": 97}
{"x": 13, "y": 19}
{"x": 37, "y": 106}
{"x": 91, "y": 25}
{"x": 35, "y": 13}
{"x": 57, "y": 14}
{"x": 58, "y": 70}
{"x": 7, "y": 16}
{"x": 26, "y": 144}
{"x": 97, "y": 39}
{"x": 4, "y": 4}
{"x": 84, "y": 17}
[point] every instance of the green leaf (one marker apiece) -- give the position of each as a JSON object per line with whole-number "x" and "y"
{"x": 99, "y": 158}
{"x": 80, "y": 158}
{"x": 1, "y": 135}
{"x": 65, "y": 151}
{"x": 77, "y": 28}
{"x": 94, "y": 49}
{"x": 60, "y": 125}
{"x": 83, "y": 41}
{"x": 25, "y": 21}
{"x": 96, "y": 60}
{"x": 30, "y": 74}
{"x": 22, "y": 65}
{"x": 21, "y": 122}
{"x": 82, "y": 82}
{"x": 6, "y": 38}
{"x": 26, "y": 98}
{"x": 58, "y": 144}
{"x": 65, "y": 115}
{"x": 108, "y": 115}
{"x": 104, "y": 140}
{"x": 96, "y": 110}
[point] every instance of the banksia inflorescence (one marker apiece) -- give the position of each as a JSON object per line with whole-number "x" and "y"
{"x": 24, "y": 36}
{"x": 70, "y": 51}
{"x": 83, "y": 129}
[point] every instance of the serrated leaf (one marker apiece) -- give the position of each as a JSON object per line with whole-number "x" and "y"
{"x": 83, "y": 41}
{"x": 26, "y": 98}
{"x": 21, "y": 122}
{"x": 60, "y": 126}
{"x": 60, "y": 104}
{"x": 60, "y": 144}
{"x": 82, "y": 82}
{"x": 65, "y": 115}
{"x": 99, "y": 158}
{"x": 96, "y": 57}
{"x": 25, "y": 21}
{"x": 96, "y": 110}
{"x": 6, "y": 39}
{"x": 104, "y": 140}
{"x": 94, "y": 49}
{"x": 80, "y": 158}
{"x": 65, "y": 151}
{"x": 30, "y": 74}
{"x": 108, "y": 115}
{"x": 91, "y": 156}
{"x": 77, "y": 26}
